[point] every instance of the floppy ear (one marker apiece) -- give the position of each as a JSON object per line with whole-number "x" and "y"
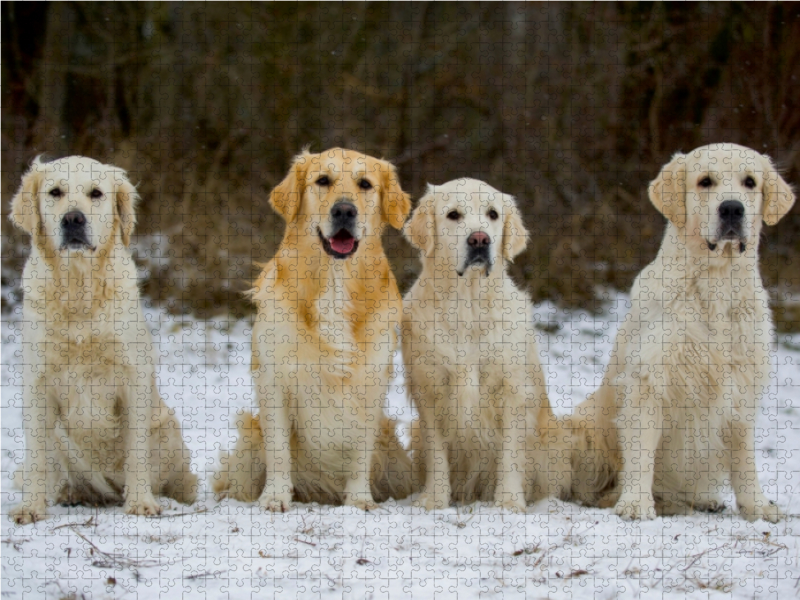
{"x": 288, "y": 194}
{"x": 668, "y": 191}
{"x": 420, "y": 228}
{"x": 126, "y": 199}
{"x": 25, "y": 204}
{"x": 395, "y": 203}
{"x": 778, "y": 195}
{"x": 515, "y": 236}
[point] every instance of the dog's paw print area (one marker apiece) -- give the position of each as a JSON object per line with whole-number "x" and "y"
{"x": 390, "y": 300}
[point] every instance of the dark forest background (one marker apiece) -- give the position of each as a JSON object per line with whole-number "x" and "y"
{"x": 573, "y": 108}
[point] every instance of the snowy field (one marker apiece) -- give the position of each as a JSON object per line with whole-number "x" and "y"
{"x": 230, "y": 549}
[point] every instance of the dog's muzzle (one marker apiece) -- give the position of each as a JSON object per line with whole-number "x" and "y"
{"x": 343, "y": 242}
{"x": 477, "y": 252}
{"x": 731, "y": 224}
{"x": 73, "y": 231}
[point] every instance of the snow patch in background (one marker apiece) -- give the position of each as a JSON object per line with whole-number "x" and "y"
{"x": 231, "y": 549}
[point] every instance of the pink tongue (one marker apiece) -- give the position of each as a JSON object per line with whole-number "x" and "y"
{"x": 342, "y": 245}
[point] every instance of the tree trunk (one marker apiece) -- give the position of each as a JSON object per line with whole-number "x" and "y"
{"x": 51, "y": 130}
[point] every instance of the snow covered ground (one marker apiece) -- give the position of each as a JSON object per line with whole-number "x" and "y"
{"x": 230, "y": 549}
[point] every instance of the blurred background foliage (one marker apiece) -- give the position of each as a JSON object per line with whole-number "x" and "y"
{"x": 571, "y": 107}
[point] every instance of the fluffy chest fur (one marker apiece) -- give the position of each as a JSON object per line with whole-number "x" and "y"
{"x": 81, "y": 313}
{"x": 471, "y": 331}
{"x": 714, "y": 326}
{"x": 334, "y": 314}
{"x": 336, "y": 319}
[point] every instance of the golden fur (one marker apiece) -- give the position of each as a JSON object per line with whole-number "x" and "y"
{"x": 96, "y": 429}
{"x": 322, "y": 346}
{"x": 486, "y": 430}
{"x": 673, "y": 420}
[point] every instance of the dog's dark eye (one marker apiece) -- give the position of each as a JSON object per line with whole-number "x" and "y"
{"x": 95, "y": 193}
{"x": 323, "y": 181}
{"x": 493, "y": 215}
{"x": 364, "y": 184}
{"x": 705, "y": 182}
{"x": 454, "y": 215}
{"x": 749, "y": 182}
{"x": 55, "y": 193}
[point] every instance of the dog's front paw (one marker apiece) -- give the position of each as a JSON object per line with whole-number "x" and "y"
{"x": 510, "y": 495}
{"x": 514, "y": 503}
{"x": 761, "y": 509}
{"x": 280, "y": 502}
{"x": 360, "y": 501}
{"x": 431, "y": 502}
{"x": 511, "y": 506}
{"x": 144, "y": 506}
{"x": 636, "y": 507}
{"x": 712, "y": 506}
{"x": 28, "y": 513}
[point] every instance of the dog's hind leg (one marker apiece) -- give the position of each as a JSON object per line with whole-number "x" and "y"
{"x": 176, "y": 479}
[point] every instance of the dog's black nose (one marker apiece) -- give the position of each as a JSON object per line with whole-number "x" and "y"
{"x": 478, "y": 239}
{"x": 731, "y": 211}
{"x": 344, "y": 210}
{"x": 73, "y": 219}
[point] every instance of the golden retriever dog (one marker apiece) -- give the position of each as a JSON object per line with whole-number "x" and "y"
{"x": 96, "y": 429}
{"x": 674, "y": 418}
{"x": 328, "y": 310}
{"x": 486, "y": 430}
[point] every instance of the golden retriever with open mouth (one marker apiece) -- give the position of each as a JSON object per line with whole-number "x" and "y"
{"x": 96, "y": 429}
{"x": 486, "y": 430}
{"x": 328, "y": 308}
{"x": 674, "y": 418}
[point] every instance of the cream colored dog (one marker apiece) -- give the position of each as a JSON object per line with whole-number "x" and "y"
{"x": 96, "y": 429}
{"x": 486, "y": 430}
{"x": 674, "y": 417}
{"x": 328, "y": 308}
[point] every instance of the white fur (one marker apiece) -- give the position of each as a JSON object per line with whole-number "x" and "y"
{"x": 96, "y": 429}
{"x": 674, "y": 418}
{"x": 486, "y": 430}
